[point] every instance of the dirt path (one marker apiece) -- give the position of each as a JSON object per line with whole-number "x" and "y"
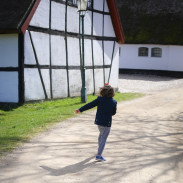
{"x": 145, "y": 146}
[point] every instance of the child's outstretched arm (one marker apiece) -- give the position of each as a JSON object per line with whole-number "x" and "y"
{"x": 87, "y": 106}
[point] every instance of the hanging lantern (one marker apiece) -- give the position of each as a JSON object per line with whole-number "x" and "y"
{"x": 82, "y": 5}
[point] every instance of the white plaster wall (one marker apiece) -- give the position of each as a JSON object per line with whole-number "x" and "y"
{"x": 88, "y": 52}
{"x": 129, "y": 58}
{"x": 108, "y": 49}
{"x": 175, "y": 58}
{"x": 73, "y": 51}
{"x": 108, "y": 28}
{"x": 115, "y": 68}
{"x": 9, "y": 87}
{"x": 41, "y": 16}
{"x": 106, "y": 71}
{"x": 75, "y": 82}
{"x": 98, "y": 5}
{"x": 98, "y": 53}
{"x": 106, "y": 9}
{"x": 59, "y": 83}
{"x": 99, "y": 79}
{"x": 72, "y": 19}
{"x": 8, "y": 50}
{"x": 29, "y": 57}
{"x": 58, "y": 51}
{"x": 41, "y": 44}
{"x": 33, "y": 85}
{"x": 57, "y": 16}
{"x": 89, "y": 81}
{"x": 97, "y": 24}
{"x": 46, "y": 79}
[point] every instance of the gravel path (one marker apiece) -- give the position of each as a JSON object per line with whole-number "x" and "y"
{"x": 145, "y": 144}
{"x": 146, "y": 83}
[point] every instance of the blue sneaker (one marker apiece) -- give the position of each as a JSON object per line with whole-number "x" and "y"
{"x": 100, "y": 158}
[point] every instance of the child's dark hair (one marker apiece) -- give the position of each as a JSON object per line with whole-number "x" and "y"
{"x": 107, "y": 91}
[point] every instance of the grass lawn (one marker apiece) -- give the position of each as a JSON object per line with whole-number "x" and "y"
{"x": 19, "y": 123}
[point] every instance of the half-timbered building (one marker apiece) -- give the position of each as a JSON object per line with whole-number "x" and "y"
{"x": 40, "y": 48}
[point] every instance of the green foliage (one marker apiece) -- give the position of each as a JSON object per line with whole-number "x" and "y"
{"x": 19, "y": 123}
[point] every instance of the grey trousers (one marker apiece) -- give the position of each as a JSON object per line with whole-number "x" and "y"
{"x": 104, "y": 132}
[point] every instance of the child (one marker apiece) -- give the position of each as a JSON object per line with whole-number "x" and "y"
{"x": 106, "y": 107}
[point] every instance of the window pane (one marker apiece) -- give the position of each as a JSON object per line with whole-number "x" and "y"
{"x": 74, "y": 2}
{"x": 90, "y": 3}
{"x": 143, "y": 51}
{"x": 156, "y": 52}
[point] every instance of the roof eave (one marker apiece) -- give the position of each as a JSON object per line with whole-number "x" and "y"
{"x": 28, "y": 18}
{"x": 116, "y": 21}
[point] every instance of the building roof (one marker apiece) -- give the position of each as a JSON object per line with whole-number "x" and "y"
{"x": 14, "y": 14}
{"x": 152, "y": 21}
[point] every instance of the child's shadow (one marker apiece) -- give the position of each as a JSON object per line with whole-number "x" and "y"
{"x": 70, "y": 168}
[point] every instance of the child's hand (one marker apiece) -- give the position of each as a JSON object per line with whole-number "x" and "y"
{"x": 77, "y": 111}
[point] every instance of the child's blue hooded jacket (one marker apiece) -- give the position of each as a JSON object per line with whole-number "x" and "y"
{"x": 106, "y": 108}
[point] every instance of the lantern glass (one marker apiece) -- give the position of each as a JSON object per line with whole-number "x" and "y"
{"x": 82, "y": 5}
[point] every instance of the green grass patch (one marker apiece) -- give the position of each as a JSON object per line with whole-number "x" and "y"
{"x": 19, "y": 123}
